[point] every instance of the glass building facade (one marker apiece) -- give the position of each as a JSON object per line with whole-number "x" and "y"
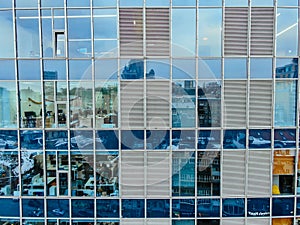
{"x": 167, "y": 112}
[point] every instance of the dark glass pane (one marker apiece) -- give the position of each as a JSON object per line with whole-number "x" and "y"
{"x": 234, "y": 207}
{"x": 209, "y": 139}
{"x": 82, "y": 208}
{"x": 183, "y": 139}
{"x": 285, "y": 138}
{"x": 282, "y": 206}
{"x": 259, "y": 138}
{"x": 107, "y": 139}
{"x": 158, "y": 208}
{"x": 132, "y": 139}
{"x": 158, "y": 139}
{"x": 208, "y": 208}
{"x": 183, "y": 208}
{"x": 133, "y": 208}
{"x": 58, "y": 208}
{"x": 234, "y": 139}
{"x": 107, "y": 208}
{"x": 33, "y": 207}
{"x": 258, "y": 207}
{"x": 82, "y": 140}
{"x": 56, "y": 139}
{"x": 31, "y": 139}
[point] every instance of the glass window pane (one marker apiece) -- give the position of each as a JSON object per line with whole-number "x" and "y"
{"x": 208, "y": 222}
{"x": 105, "y": 48}
{"x": 105, "y": 23}
{"x": 259, "y": 138}
{"x": 25, "y": 3}
{"x": 7, "y": 71}
{"x": 208, "y": 177}
{"x": 106, "y": 107}
{"x": 184, "y": 3}
{"x": 287, "y": 32}
{"x": 285, "y": 103}
{"x": 132, "y": 139}
{"x": 183, "y": 32}
{"x": 282, "y": 206}
{"x": 235, "y": 68}
{"x": 285, "y": 138}
{"x": 79, "y": 23}
{"x": 56, "y": 140}
{"x": 7, "y": 40}
{"x": 209, "y": 68}
{"x": 108, "y": 208}
{"x": 82, "y": 140}
{"x": 29, "y": 69}
{"x": 234, "y": 139}
{"x": 59, "y": 44}
{"x": 82, "y": 208}
{"x": 78, "y": 3}
{"x": 80, "y": 49}
{"x": 183, "y": 103}
{"x": 287, "y": 2}
{"x": 8, "y": 109}
{"x": 262, "y": 2}
{"x": 9, "y": 204}
{"x": 233, "y": 207}
{"x": 132, "y": 69}
{"x": 6, "y": 4}
{"x": 208, "y": 208}
{"x": 158, "y": 208}
{"x": 33, "y": 208}
{"x": 157, "y": 2}
{"x": 183, "y": 139}
{"x": 209, "y": 139}
{"x": 131, "y": 3}
{"x": 183, "y": 170}
{"x": 52, "y": 3}
{"x": 183, "y": 69}
{"x": 54, "y": 70}
{"x": 47, "y": 32}
{"x": 261, "y": 67}
{"x": 210, "y": 32}
{"x": 183, "y": 208}
{"x": 258, "y": 207}
{"x": 80, "y": 69}
{"x": 107, "y": 139}
{"x": 104, "y": 3}
{"x": 31, "y": 139}
{"x": 158, "y": 139}
{"x": 106, "y": 69}
{"x": 158, "y": 69}
{"x": 133, "y": 208}
{"x": 28, "y": 42}
{"x": 183, "y": 222}
{"x": 287, "y": 68}
{"x": 236, "y": 2}
{"x": 58, "y": 208}
{"x": 210, "y": 3}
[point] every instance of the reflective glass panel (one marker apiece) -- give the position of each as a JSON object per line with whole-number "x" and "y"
{"x": 132, "y": 69}
{"x": 236, "y": 2}
{"x": 208, "y": 174}
{"x": 80, "y": 69}
{"x": 58, "y": 208}
{"x": 82, "y": 140}
{"x": 107, "y": 139}
{"x": 287, "y": 68}
{"x": 47, "y": 35}
{"x": 209, "y": 103}
{"x": 106, "y": 69}
{"x": 183, "y": 103}
{"x": 208, "y": 222}
{"x": 30, "y": 104}
{"x": 183, "y": 170}
{"x": 106, "y": 104}
{"x": 158, "y": 69}
{"x": 131, "y": 3}
{"x": 33, "y": 208}
{"x": 210, "y": 3}
{"x": 259, "y": 138}
{"x": 11, "y": 208}
{"x": 29, "y": 70}
{"x": 105, "y": 48}
{"x": 8, "y": 109}
{"x": 210, "y": 32}
{"x": 209, "y": 68}
{"x": 158, "y": 139}
{"x": 158, "y": 208}
{"x": 233, "y": 207}
{"x": 56, "y": 139}
{"x": 261, "y": 67}
{"x": 104, "y": 3}
{"x": 79, "y": 23}
{"x": 209, "y": 139}
{"x": 235, "y": 68}
{"x": 105, "y": 23}
{"x": 8, "y": 140}
{"x": 25, "y": 3}
{"x": 52, "y": 3}
{"x": 183, "y": 208}
{"x": 54, "y": 69}
{"x": 284, "y": 138}
{"x": 184, "y": 3}
{"x": 133, "y": 208}
{"x": 6, "y": 4}
{"x": 208, "y": 208}
{"x": 282, "y": 206}
{"x": 132, "y": 139}
{"x": 287, "y": 2}
{"x": 183, "y": 69}
{"x": 183, "y": 139}
{"x": 234, "y": 139}
{"x": 287, "y": 32}
{"x": 31, "y": 139}
{"x": 7, "y": 40}
{"x": 80, "y": 49}
{"x": 78, "y": 3}
{"x": 258, "y": 207}
{"x": 28, "y": 41}
{"x": 83, "y": 208}
{"x": 81, "y": 104}
{"x": 262, "y": 2}
{"x": 183, "y": 222}
{"x": 183, "y": 32}
{"x": 157, "y": 2}
{"x": 107, "y": 208}
{"x": 285, "y": 103}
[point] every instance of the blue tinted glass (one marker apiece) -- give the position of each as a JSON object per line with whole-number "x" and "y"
{"x": 235, "y": 68}
{"x": 57, "y": 140}
{"x": 31, "y": 139}
{"x": 287, "y": 68}
{"x": 183, "y": 170}
{"x": 209, "y": 69}
{"x": 183, "y": 139}
{"x": 132, "y": 139}
{"x": 25, "y": 3}
{"x": 11, "y": 208}
{"x": 285, "y": 103}
{"x": 157, "y": 2}
{"x": 107, "y": 139}
{"x": 158, "y": 139}
{"x": 262, "y": 2}
{"x": 209, "y": 139}
{"x": 234, "y": 139}
{"x": 54, "y": 70}
{"x": 183, "y": 222}
{"x": 29, "y": 69}
{"x": 52, "y": 3}
{"x": 259, "y": 138}
{"x": 208, "y": 222}
{"x": 47, "y": 38}
{"x": 184, "y": 32}
{"x": 184, "y": 3}
{"x": 8, "y": 104}
{"x": 132, "y": 69}
{"x": 7, "y": 71}
{"x": 6, "y": 4}
{"x": 298, "y": 204}
{"x": 285, "y": 138}
{"x": 80, "y": 49}
{"x": 158, "y": 69}
{"x": 58, "y": 208}
{"x": 106, "y": 69}
{"x": 287, "y": 32}
{"x": 184, "y": 69}
{"x": 287, "y": 2}
{"x": 82, "y": 208}
{"x": 82, "y": 140}
{"x": 210, "y": 3}
{"x": 105, "y": 48}
{"x": 104, "y": 3}
{"x": 105, "y": 23}
{"x": 236, "y": 2}
{"x": 158, "y": 208}
{"x": 78, "y": 3}
{"x": 6, "y": 27}
{"x": 79, "y": 24}
{"x": 258, "y": 207}
{"x": 131, "y": 3}
{"x": 234, "y": 207}
{"x": 208, "y": 208}
{"x": 133, "y": 208}
{"x": 33, "y": 207}
{"x": 282, "y": 206}
{"x": 183, "y": 208}
{"x": 80, "y": 69}
{"x": 8, "y": 139}
{"x": 107, "y": 208}
{"x": 261, "y": 68}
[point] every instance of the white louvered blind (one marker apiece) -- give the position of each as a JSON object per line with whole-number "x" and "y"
{"x": 235, "y": 92}
{"x": 234, "y": 172}
{"x": 158, "y": 103}
{"x": 260, "y": 221}
{"x": 260, "y": 103}
{"x": 132, "y": 174}
{"x": 157, "y": 32}
{"x": 131, "y": 31}
{"x": 132, "y": 104}
{"x": 233, "y": 222}
{"x": 132, "y": 222}
{"x": 259, "y": 180}
{"x": 236, "y": 29}
{"x": 262, "y": 28}
{"x": 158, "y": 174}
{"x": 158, "y": 221}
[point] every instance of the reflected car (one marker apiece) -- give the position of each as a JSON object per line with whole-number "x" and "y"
{"x": 259, "y": 142}
{"x": 58, "y": 212}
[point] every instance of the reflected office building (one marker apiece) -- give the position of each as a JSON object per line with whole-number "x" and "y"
{"x": 149, "y": 112}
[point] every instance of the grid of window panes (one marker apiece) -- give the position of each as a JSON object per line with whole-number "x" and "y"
{"x": 165, "y": 112}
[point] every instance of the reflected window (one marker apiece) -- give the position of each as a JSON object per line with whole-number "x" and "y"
{"x": 158, "y": 208}
{"x": 208, "y": 173}
{"x": 183, "y": 139}
{"x": 259, "y": 138}
{"x": 107, "y": 139}
{"x": 234, "y": 139}
{"x": 208, "y": 208}
{"x": 82, "y": 208}
{"x": 29, "y": 70}
{"x": 282, "y": 206}
{"x": 58, "y": 208}
{"x": 158, "y": 139}
{"x": 209, "y": 68}
{"x": 233, "y": 207}
{"x": 33, "y": 207}
{"x": 133, "y": 208}
{"x": 287, "y": 68}
{"x": 285, "y": 103}
{"x": 6, "y": 27}
{"x": 8, "y": 109}
{"x": 158, "y": 69}
{"x": 183, "y": 208}
{"x": 132, "y": 139}
{"x": 31, "y": 139}
{"x": 184, "y": 32}
{"x": 183, "y": 170}
{"x": 209, "y": 139}
{"x": 132, "y": 69}
{"x": 59, "y": 44}
{"x": 261, "y": 67}
{"x": 235, "y": 68}
{"x": 107, "y": 208}
{"x": 258, "y": 207}
{"x": 287, "y": 32}
{"x": 54, "y": 69}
